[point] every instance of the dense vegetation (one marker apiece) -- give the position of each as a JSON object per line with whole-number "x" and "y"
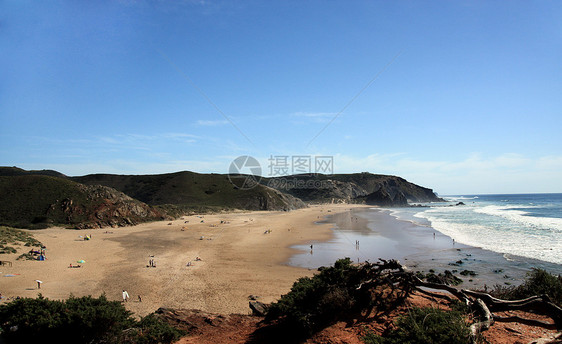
{"x": 335, "y": 293}
{"x": 314, "y": 302}
{"x": 79, "y": 320}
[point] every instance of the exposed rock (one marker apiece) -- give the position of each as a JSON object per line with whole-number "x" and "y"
{"x": 352, "y": 188}
{"x": 105, "y": 207}
{"x": 383, "y": 198}
{"x": 380, "y": 197}
{"x": 258, "y": 308}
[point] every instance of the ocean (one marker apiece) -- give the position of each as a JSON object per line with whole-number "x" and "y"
{"x": 502, "y": 237}
{"x": 526, "y": 225}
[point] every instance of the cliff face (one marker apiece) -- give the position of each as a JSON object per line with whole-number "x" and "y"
{"x": 381, "y": 197}
{"x": 366, "y": 188}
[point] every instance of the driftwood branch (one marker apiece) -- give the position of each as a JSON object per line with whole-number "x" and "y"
{"x": 530, "y": 322}
{"x": 434, "y": 295}
{"x": 483, "y": 303}
{"x": 485, "y": 315}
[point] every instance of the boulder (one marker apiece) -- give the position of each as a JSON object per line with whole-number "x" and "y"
{"x": 258, "y": 308}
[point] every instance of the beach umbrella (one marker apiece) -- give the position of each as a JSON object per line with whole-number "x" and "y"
{"x": 81, "y": 261}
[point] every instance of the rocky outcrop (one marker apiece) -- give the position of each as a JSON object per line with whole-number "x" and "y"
{"x": 104, "y": 207}
{"x": 353, "y": 188}
{"x": 258, "y": 308}
{"x": 383, "y": 198}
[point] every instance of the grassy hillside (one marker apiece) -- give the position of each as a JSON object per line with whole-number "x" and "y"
{"x": 193, "y": 190}
{"x": 16, "y": 171}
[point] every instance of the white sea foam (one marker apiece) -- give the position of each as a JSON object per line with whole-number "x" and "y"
{"x": 514, "y": 236}
{"x": 458, "y": 198}
{"x": 521, "y": 217}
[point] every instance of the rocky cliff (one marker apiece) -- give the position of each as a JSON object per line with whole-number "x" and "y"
{"x": 366, "y": 188}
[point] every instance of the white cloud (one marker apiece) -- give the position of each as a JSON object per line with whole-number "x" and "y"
{"x": 211, "y": 123}
{"x": 317, "y": 117}
{"x": 475, "y": 173}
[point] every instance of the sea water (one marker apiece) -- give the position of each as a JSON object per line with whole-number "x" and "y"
{"x": 525, "y": 225}
{"x": 501, "y": 237}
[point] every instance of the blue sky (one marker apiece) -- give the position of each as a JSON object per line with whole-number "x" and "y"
{"x": 460, "y": 96}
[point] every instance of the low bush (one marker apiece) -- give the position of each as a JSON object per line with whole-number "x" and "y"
{"x": 425, "y": 325}
{"x": 335, "y": 293}
{"x": 79, "y": 320}
{"x": 316, "y": 301}
{"x": 537, "y": 282}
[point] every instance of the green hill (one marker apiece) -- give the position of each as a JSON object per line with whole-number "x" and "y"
{"x": 189, "y": 190}
{"x": 16, "y": 171}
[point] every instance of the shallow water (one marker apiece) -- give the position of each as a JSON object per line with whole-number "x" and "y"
{"x": 416, "y": 245}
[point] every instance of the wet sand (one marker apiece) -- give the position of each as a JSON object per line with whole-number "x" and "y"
{"x": 381, "y": 235}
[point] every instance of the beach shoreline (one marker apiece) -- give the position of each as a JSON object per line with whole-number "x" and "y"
{"x": 260, "y": 253}
{"x": 380, "y": 234}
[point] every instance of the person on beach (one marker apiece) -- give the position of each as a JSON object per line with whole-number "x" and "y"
{"x": 140, "y": 299}
{"x": 125, "y": 295}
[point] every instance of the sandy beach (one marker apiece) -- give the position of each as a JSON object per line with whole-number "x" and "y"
{"x": 242, "y": 254}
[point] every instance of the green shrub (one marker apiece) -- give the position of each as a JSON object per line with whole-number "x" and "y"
{"x": 14, "y": 236}
{"x": 425, "y": 325}
{"x": 318, "y": 300}
{"x": 537, "y": 282}
{"x": 78, "y": 320}
{"x": 332, "y": 294}
{"x": 152, "y": 329}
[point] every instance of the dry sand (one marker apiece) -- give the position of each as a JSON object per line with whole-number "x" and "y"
{"x": 238, "y": 259}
